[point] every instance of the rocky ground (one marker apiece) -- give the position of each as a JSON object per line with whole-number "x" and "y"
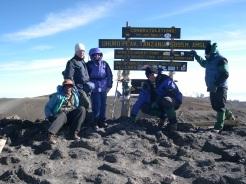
{"x": 126, "y": 152}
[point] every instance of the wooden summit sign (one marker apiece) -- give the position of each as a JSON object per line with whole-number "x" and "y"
{"x": 155, "y": 44}
{"x": 138, "y": 65}
{"x": 153, "y": 55}
{"x": 143, "y": 32}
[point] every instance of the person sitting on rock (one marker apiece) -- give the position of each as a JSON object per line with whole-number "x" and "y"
{"x": 160, "y": 97}
{"x": 76, "y": 70}
{"x": 63, "y": 107}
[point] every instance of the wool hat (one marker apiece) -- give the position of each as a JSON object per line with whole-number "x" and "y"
{"x": 149, "y": 71}
{"x": 79, "y": 46}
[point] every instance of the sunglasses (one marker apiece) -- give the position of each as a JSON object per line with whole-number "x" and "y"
{"x": 96, "y": 54}
{"x": 68, "y": 85}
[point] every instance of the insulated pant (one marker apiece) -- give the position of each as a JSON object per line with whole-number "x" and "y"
{"x": 218, "y": 102}
{"x": 218, "y": 99}
{"x": 99, "y": 100}
{"x": 85, "y": 100}
{"x": 75, "y": 118}
{"x": 166, "y": 107}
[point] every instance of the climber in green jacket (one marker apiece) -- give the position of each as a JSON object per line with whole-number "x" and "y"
{"x": 216, "y": 75}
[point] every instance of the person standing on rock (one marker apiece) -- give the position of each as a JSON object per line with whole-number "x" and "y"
{"x": 63, "y": 107}
{"x": 216, "y": 75}
{"x": 101, "y": 75}
{"x": 76, "y": 70}
{"x": 160, "y": 97}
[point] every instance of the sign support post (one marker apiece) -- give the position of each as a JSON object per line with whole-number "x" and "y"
{"x": 125, "y": 106}
{"x": 171, "y": 73}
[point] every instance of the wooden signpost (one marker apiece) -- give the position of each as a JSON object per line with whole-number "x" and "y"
{"x": 146, "y": 32}
{"x": 154, "y": 44}
{"x": 137, "y": 49}
{"x": 153, "y": 55}
{"x": 138, "y": 65}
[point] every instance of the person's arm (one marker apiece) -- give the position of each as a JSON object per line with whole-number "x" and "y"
{"x": 143, "y": 97}
{"x": 166, "y": 88}
{"x": 76, "y": 96}
{"x": 51, "y": 105}
{"x": 109, "y": 76}
{"x": 199, "y": 59}
{"x": 68, "y": 73}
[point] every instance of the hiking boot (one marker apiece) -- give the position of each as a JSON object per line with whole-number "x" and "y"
{"x": 96, "y": 128}
{"x": 229, "y": 115}
{"x": 216, "y": 130}
{"x": 76, "y": 135}
{"x": 172, "y": 127}
{"x": 219, "y": 124}
{"x": 52, "y": 138}
{"x": 102, "y": 124}
{"x": 161, "y": 124}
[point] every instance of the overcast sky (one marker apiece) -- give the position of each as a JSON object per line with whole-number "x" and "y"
{"x": 37, "y": 39}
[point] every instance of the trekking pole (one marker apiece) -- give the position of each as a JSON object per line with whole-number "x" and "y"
{"x": 115, "y": 94}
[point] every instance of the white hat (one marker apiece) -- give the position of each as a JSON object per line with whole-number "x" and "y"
{"x": 79, "y": 46}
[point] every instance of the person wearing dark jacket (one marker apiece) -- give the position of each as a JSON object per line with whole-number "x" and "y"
{"x": 76, "y": 70}
{"x": 216, "y": 75}
{"x": 101, "y": 75}
{"x": 63, "y": 107}
{"x": 159, "y": 96}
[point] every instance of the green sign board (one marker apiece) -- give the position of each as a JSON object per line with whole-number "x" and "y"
{"x": 142, "y": 32}
{"x": 153, "y": 55}
{"x": 154, "y": 44}
{"x": 138, "y": 65}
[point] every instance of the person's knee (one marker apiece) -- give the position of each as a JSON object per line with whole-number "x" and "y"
{"x": 81, "y": 109}
{"x": 167, "y": 102}
{"x": 62, "y": 115}
{"x": 219, "y": 107}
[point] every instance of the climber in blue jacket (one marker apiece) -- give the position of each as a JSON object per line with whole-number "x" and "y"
{"x": 159, "y": 96}
{"x": 101, "y": 75}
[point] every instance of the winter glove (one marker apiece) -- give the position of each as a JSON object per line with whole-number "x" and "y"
{"x": 195, "y": 54}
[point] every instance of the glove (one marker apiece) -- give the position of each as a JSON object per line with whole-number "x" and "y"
{"x": 193, "y": 52}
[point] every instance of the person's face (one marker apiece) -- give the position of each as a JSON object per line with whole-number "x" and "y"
{"x": 80, "y": 54}
{"x": 68, "y": 88}
{"x": 151, "y": 77}
{"x": 96, "y": 57}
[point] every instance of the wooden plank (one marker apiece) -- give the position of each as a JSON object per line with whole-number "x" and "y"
{"x": 153, "y": 55}
{"x": 138, "y": 65}
{"x": 154, "y": 44}
{"x": 146, "y": 32}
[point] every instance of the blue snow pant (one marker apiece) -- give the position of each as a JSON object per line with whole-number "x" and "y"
{"x": 98, "y": 100}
